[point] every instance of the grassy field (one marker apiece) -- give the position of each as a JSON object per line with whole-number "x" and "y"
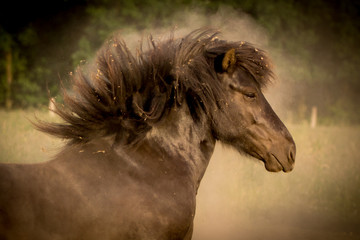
{"x": 238, "y": 199}
{"x": 20, "y": 142}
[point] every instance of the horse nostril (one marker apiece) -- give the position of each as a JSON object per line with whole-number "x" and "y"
{"x": 292, "y": 154}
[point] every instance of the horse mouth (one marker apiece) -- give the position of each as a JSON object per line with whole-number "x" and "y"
{"x": 272, "y": 163}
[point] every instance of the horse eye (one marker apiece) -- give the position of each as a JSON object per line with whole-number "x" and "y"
{"x": 250, "y": 95}
{"x": 247, "y": 94}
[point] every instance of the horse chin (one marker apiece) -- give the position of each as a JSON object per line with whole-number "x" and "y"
{"x": 272, "y": 163}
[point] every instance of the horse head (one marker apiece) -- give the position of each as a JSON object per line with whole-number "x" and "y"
{"x": 243, "y": 118}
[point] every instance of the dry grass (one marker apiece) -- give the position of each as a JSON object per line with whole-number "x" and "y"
{"x": 238, "y": 199}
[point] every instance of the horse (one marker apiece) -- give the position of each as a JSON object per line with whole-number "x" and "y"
{"x": 140, "y": 131}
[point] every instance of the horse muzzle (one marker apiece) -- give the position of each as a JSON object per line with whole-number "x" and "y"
{"x": 279, "y": 159}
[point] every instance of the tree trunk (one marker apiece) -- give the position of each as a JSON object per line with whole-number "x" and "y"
{"x": 9, "y": 79}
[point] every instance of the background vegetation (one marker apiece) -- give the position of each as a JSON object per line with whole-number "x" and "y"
{"x": 41, "y": 43}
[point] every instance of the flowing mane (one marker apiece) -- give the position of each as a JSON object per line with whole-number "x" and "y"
{"x": 125, "y": 95}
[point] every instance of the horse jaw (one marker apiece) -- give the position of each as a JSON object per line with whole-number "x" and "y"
{"x": 273, "y": 146}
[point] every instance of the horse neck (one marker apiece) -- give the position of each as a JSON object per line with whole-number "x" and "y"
{"x": 183, "y": 139}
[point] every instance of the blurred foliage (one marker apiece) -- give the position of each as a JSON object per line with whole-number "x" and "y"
{"x": 316, "y": 40}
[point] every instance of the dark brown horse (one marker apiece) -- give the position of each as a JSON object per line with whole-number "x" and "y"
{"x": 141, "y": 131}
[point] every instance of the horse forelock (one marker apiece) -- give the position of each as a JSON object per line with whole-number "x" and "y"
{"x": 125, "y": 95}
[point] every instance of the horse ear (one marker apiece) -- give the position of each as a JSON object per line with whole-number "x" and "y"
{"x": 229, "y": 60}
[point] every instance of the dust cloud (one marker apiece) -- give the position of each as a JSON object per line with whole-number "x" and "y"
{"x": 233, "y": 25}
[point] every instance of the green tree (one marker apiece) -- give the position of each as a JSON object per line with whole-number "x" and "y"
{"x": 7, "y": 76}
